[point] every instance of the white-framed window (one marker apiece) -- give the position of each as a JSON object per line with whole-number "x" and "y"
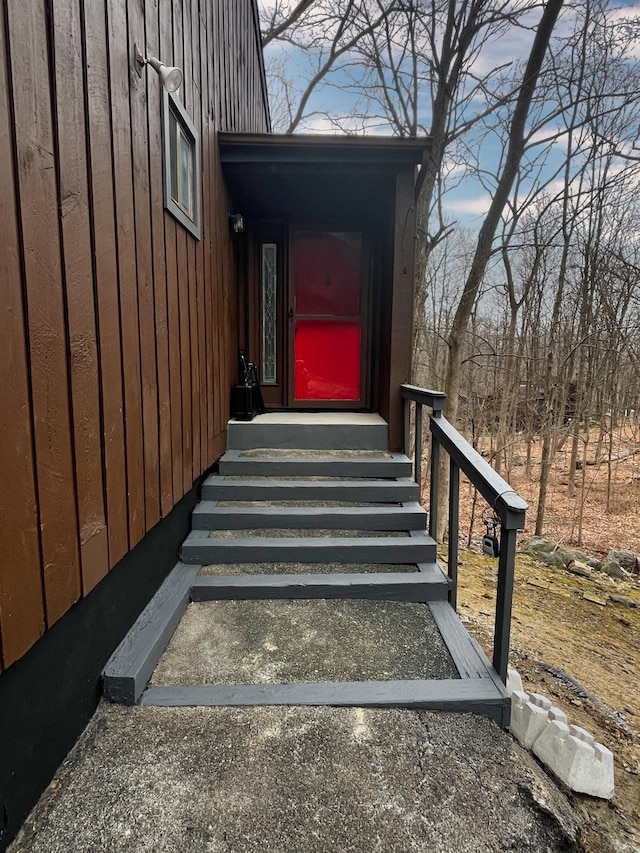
{"x": 181, "y": 165}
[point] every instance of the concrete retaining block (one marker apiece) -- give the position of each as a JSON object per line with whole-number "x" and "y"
{"x": 572, "y": 754}
{"x": 514, "y": 681}
{"x": 531, "y": 713}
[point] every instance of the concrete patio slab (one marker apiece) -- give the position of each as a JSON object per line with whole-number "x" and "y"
{"x": 296, "y": 780}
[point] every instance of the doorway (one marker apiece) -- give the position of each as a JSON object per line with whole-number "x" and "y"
{"x": 328, "y": 319}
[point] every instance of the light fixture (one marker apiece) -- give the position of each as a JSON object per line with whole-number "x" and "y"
{"x": 170, "y": 75}
{"x": 237, "y": 222}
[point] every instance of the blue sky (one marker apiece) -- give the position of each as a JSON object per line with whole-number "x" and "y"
{"x": 467, "y": 202}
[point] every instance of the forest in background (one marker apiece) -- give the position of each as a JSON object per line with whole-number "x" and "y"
{"x": 529, "y": 314}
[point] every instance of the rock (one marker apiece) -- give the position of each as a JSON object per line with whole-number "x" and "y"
{"x": 581, "y": 569}
{"x": 613, "y": 569}
{"x": 627, "y": 559}
{"x": 538, "y": 545}
{"x": 623, "y": 599}
{"x": 547, "y": 552}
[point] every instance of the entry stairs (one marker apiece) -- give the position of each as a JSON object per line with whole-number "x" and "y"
{"x": 311, "y": 522}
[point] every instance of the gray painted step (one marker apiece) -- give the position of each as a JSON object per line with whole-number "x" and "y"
{"x": 199, "y": 549}
{"x": 478, "y": 695}
{"x": 318, "y": 432}
{"x": 383, "y": 491}
{"x": 232, "y": 463}
{"x": 130, "y": 666}
{"x": 426, "y": 585}
{"x": 298, "y": 569}
{"x": 208, "y": 516}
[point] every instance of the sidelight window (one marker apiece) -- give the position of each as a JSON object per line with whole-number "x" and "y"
{"x": 269, "y": 313}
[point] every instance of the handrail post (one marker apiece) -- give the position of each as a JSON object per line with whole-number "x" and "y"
{"x": 435, "y": 481}
{"x": 406, "y": 435}
{"x": 418, "y": 447}
{"x": 454, "y": 520}
{"x": 504, "y": 598}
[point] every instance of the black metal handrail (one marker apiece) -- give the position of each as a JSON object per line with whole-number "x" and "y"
{"x": 506, "y": 503}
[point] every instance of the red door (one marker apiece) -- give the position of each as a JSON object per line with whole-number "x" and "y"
{"x": 327, "y": 314}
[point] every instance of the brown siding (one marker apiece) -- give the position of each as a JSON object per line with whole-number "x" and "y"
{"x": 118, "y": 327}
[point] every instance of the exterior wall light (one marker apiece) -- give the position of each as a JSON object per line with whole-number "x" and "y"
{"x": 237, "y": 222}
{"x": 170, "y": 75}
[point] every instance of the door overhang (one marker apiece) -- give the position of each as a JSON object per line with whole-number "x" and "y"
{"x": 349, "y": 184}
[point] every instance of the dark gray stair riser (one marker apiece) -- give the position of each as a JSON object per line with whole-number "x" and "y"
{"x": 245, "y": 436}
{"x": 204, "y": 551}
{"x": 479, "y": 695}
{"x": 402, "y": 586}
{"x": 256, "y": 466}
{"x": 207, "y": 516}
{"x": 382, "y": 491}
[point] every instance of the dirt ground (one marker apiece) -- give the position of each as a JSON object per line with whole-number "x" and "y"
{"x": 602, "y": 528}
{"x": 595, "y": 642}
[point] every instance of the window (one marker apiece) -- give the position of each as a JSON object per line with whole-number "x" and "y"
{"x": 269, "y": 313}
{"x": 181, "y": 165}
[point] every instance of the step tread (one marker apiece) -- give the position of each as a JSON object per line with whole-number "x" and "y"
{"x": 312, "y": 456}
{"x": 199, "y": 548}
{"x": 348, "y": 511}
{"x": 407, "y": 541}
{"x": 209, "y": 515}
{"x": 265, "y": 482}
{"x": 309, "y": 568}
{"x": 421, "y": 578}
{"x": 306, "y": 453}
{"x": 356, "y": 465}
{"x": 374, "y": 490}
{"x": 479, "y": 695}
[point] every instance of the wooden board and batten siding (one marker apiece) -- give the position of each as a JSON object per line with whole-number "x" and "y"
{"x": 117, "y": 326}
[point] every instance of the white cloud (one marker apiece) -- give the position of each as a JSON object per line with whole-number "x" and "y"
{"x": 477, "y": 206}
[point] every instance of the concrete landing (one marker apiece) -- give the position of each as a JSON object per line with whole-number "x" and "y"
{"x": 282, "y": 642}
{"x": 307, "y": 533}
{"x": 296, "y": 780}
{"x": 311, "y": 430}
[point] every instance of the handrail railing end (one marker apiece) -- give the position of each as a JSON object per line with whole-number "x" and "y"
{"x": 436, "y": 400}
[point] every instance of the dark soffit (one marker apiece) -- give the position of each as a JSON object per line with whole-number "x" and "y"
{"x": 389, "y": 151}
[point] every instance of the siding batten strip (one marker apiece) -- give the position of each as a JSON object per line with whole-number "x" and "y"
{"x": 105, "y": 269}
{"x": 156, "y": 198}
{"x": 37, "y": 171}
{"x": 67, "y": 74}
{"x": 127, "y": 280}
{"x": 22, "y": 618}
{"x": 138, "y": 103}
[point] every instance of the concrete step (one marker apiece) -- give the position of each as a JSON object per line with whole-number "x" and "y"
{"x": 248, "y": 463}
{"x": 272, "y": 568}
{"x": 310, "y": 430}
{"x": 200, "y": 548}
{"x": 209, "y": 516}
{"x": 218, "y": 488}
{"x": 283, "y": 641}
